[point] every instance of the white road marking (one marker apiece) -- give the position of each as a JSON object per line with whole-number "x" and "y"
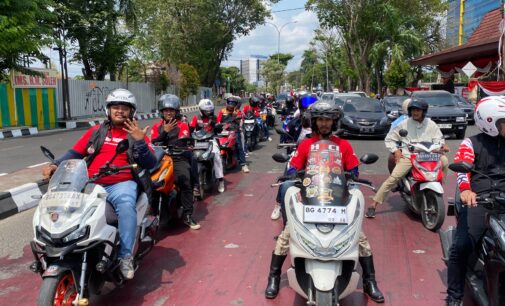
{"x": 37, "y": 165}
{"x": 2, "y": 174}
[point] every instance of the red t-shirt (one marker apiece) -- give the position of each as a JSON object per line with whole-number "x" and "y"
{"x": 236, "y": 113}
{"x": 349, "y": 159}
{"x": 183, "y": 129}
{"x": 204, "y": 121}
{"x": 106, "y": 153}
{"x": 255, "y": 109}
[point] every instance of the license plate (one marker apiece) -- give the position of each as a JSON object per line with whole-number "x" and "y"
{"x": 428, "y": 157}
{"x": 325, "y": 214}
{"x": 62, "y": 198}
{"x": 201, "y": 145}
{"x": 367, "y": 130}
{"x": 444, "y": 126}
{"x": 249, "y": 121}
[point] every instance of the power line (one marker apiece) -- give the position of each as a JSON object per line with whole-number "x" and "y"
{"x": 286, "y": 10}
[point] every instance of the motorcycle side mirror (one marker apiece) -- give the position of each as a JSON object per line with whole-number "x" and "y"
{"x": 122, "y": 146}
{"x": 403, "y": 133}
{"x": 369, "y": 158}
{"x": 47, "y": 153}
{"x": 218, "y": 128}
{"x": 280, "y": 157}
{"x": 461, "y": 167}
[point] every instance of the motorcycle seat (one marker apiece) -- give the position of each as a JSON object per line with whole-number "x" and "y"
{"x": 110, "y": 215}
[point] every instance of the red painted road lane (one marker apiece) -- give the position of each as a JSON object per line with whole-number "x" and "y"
{"x": 226, "y": 262}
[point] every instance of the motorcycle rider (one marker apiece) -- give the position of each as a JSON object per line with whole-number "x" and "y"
{"x": 166, "y": 132}
{"x": 419, "y": 129}
{"x": 405, "y": 111}
{"x": 324, "y": 118}
{"x": 298, "y": 129}
{"x": 254, "y": 106}
{"x": 207, "y": 121}
{"x": 97, "y": 146}
{"x": 486, "y": 152}
{"x": 231, "y": 111}
{"x": 290, "y": 107}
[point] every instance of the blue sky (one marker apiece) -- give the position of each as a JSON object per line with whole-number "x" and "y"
{"x": 295, "y": 37}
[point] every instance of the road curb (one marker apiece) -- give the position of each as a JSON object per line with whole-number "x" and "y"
{"x": 19, "y": 132}
{"x": 21, "y": 198}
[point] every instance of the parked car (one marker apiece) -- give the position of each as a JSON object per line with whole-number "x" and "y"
{"x": 392, "y": 105}
{"x": 364, "y": 117}
{"x": 328, "y": 96}
{"x": 444, "y": 111}
{"x": 467, "y": 106}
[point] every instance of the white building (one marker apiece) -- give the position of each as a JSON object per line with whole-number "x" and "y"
{"x": 250, "y": 69}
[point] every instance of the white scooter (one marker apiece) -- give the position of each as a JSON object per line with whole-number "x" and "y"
{"x": 76, "y": 235}
{"x": 325, "y": 212}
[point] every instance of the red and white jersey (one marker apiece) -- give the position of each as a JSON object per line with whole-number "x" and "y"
{"x": 465, "y": 153}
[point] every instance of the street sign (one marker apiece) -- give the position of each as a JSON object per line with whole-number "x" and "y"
{"x": 469, "y": 69}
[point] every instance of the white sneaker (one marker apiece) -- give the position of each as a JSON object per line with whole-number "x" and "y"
{"x": 126, "y": 267}
{"x": 276, "y": 213}
{"x": 245, "y": 169}
{"x": 220, "y": 187}
{"x": 269, "y": 138}
{"x": 246, "y": 154}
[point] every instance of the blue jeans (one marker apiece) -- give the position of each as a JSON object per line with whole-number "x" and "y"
{"x": 123, "y": 197}
{"x": 240, "y": 149}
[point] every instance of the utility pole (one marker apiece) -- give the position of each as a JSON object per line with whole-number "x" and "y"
{"x": 279, "y": 36}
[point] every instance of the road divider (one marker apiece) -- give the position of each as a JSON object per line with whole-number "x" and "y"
{"x": 21, "y": 198}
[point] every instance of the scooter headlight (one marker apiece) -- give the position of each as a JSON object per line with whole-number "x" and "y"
{"x": 77, "y": 234}
{"x": 249, "y": 128}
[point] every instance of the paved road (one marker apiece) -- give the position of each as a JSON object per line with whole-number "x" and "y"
{"x": 226, "y": 262}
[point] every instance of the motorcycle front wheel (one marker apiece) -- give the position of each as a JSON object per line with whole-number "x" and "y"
{"x": 433, "y": 210}
{"x": 58, "y": 291}
{"x": 324, "y": 298}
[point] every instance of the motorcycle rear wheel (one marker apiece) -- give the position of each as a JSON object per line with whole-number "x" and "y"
{"x": 433, "y": 210}
{"x": 58, "y": 291}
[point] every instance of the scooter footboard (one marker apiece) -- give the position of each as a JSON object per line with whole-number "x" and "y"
{"x": 323, "y": 273}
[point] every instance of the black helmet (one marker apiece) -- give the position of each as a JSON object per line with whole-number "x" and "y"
{"x": 254, "y": 101}
{"x": 170, "y": 101}
{"x": 232, "y": 101}
{"x": 323, "y": 109}
{"x": 418, "y": 104}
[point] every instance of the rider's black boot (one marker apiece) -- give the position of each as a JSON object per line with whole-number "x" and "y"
{"x": 274, "y": 277}
{"x": 369, "y": 284}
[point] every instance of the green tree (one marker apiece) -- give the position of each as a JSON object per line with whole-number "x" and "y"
{"x": 396, "y": 75}
{"x": 273, "y": 73}
{"x": 282, "y": 58}
{"x": 21, "y": 33}
{"x": 189, "y": 81}
{"x": 237, "y": 81}
{"x": 100, "y": 29}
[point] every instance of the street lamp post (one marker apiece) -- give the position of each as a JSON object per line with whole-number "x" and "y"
{"x": 279, "y": 36}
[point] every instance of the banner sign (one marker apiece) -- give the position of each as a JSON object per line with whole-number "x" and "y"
{"x": 48, "y": 80}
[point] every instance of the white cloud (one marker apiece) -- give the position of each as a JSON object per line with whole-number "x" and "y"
{"x": 295, "y": 38}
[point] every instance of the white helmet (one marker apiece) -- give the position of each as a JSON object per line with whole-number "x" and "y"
{"x": 120, "y": 96}
{"x": 487, "y": 114}
{"x": 206, "y": 107}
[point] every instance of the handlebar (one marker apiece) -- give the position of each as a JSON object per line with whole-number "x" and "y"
{"x": 286, "y": 145}
{"x": 111, "y": 170}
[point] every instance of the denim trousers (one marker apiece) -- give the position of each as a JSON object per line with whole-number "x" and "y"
{"x": 123, "y": 197}
{"x": 240, "y": 149}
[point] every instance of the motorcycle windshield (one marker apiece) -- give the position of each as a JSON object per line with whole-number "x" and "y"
{"x": 324, "y": 182}
{"x": 63, "y": 205}
{"x": 71, "y": 175}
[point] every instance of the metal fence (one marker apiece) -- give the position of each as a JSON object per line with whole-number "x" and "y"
{"x": 87, "y": 98}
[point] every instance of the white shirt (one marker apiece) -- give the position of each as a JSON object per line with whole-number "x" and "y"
{"x": 427, "y": 130}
